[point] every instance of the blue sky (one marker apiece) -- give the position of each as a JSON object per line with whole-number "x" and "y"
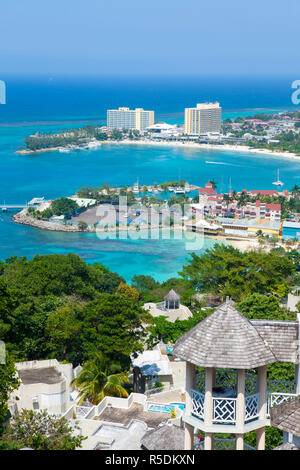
{"x": 161, "y": 37}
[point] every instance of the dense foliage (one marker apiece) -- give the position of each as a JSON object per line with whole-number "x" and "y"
{"x": 224, "y": 270}
{"x": 41, "y": 431}
{"x": 8, "y": 383}
{"x": 58, "y": 306}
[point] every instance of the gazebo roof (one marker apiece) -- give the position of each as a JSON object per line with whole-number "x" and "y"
{"x": 164, "y": 438}
{"x": 224, "y": 339}
{"x": 172, "y": 295}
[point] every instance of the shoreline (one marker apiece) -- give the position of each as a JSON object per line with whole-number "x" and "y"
{"x": 194, "y": 145}
{"x": 226, "y": 147}
{"x": 243, "y": 244}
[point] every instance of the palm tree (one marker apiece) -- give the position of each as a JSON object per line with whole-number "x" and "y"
{"x": 295, "y": 190}
{"x": 96, "y": 380}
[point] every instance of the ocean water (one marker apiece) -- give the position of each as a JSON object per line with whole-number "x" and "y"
{"x": 50, "y": 105}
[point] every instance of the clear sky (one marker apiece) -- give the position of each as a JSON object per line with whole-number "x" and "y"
{"x": 125, "y": 37}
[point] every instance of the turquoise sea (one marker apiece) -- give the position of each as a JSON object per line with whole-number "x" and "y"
{"x": 55, "y": 174}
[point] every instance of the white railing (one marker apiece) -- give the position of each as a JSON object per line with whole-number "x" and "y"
{"x": 278, "y": 398}
{"x": 252, "y": 406}
{"x": 224, "y": 410}
{"x": 82, "y": 411}
{"x": 197, "y": 404}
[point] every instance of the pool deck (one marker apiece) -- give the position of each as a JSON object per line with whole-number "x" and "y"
{"x": 174, "y": 396}
{"x": 136, "y": 411}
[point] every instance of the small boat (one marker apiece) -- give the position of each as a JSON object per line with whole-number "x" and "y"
{"x": 278, "y": 182}
{"x": 149, "y": 190}
{"x": 179, "y": 191}
{"x": 171, "y": 189}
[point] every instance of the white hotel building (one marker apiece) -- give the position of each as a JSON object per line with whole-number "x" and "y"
{"x": 125, "y": 118}
{"x": 206, "y": 117}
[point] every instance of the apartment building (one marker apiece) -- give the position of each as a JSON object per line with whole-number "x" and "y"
{"x": 126, "y": 119}
{"x": 203, "y": 119}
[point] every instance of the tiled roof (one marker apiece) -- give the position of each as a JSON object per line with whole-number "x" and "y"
{"x": 287, "y": 416}
{"x": 224, "y": 339}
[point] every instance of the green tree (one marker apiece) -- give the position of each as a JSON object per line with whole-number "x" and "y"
{"x": 97, "y": 380}
{"x": 8, "y": 383}
{"x": 257, "y": 306}
{"x": 63, "y": 206}
{"x": 42, "y": 431}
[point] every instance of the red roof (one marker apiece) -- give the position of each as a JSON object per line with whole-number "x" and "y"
{"x": 207, "y": 191}
{"x": 264, "y": 192}
{"x": 273, "y": 207}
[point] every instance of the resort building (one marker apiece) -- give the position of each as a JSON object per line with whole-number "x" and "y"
{"x": 233, "y": 394}
{"x": 246, "y": 227}
{"x": 126, "y": 119}
{"x": 157, "y": 368}
{"x": 203, "y": 119}
{"x": 44, "y": 385}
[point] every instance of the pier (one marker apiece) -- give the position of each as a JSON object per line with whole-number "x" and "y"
{"x": 6, "y": 207}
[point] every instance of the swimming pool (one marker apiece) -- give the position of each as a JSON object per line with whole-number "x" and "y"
{"x": 166, "y": 408}
{"x": 181, "y": 406}
{"x": 161, "y": 408}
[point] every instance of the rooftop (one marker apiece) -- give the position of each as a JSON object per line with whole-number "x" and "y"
{"x": 136, "y": 411}
{"x": 172, "y": 295}
{"x": 164, "y": 438}
{"x": 45, "y": 375}
{"x": 224, "y": 339}
{"x": 287, "y": 416}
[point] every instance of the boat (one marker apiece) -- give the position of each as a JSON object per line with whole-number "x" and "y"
{"x": 179, "y": 191}
{"x": 171, "y": 189}
{"x": 278, "y": 182}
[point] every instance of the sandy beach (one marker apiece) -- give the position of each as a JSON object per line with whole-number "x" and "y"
{"x": 195, "y": 145}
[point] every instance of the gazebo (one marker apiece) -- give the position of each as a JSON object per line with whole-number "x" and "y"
{"x": 172, "y": 300}
{"x": 231, "y": 394}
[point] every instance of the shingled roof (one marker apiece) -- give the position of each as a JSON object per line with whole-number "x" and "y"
{"x": 172, "y": 295}
{"x": 224, "y": 339}
{"x": 164, "y": 438}
{"x": 287, "y": 416}
{"x": 281, "y": 337}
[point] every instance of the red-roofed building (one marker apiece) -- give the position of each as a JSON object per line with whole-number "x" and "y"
{"x": 264, "y": 192}
{"x": 208, "y": 190}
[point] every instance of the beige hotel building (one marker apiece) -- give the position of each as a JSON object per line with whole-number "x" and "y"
{"x": 125, "y": 118}
{"x": 206, "y": 117}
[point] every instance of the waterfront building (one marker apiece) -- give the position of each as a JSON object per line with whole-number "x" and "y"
{"x": 203, "y": 119}
{"x": 126, "y": 119}
{"x": 233, "y": 393}
{"x": 291, "y": 230}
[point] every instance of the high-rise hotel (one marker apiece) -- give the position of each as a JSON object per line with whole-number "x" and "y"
{"x": 125, "y": 118}
{"x": 206, "y": 117}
